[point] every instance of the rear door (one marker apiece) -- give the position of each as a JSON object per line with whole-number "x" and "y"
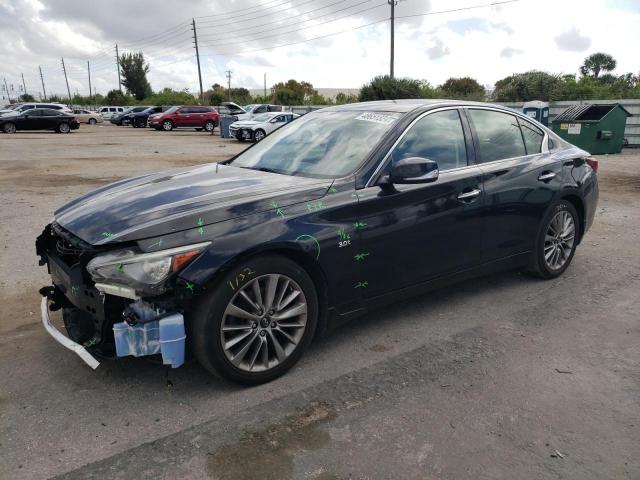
{"x": 422, "y": 231}
{"x": 50, "y": 118}
{"x": 520, "y": 179}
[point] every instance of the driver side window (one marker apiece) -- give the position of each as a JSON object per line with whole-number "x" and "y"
{"x": 439, "y": 137}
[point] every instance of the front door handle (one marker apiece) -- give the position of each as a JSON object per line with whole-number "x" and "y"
{"x": 470, "y": 195}
{"x": 546, "y": 176}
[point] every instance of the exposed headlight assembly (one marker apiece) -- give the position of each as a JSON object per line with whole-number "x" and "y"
{"x": 141, "y": 272}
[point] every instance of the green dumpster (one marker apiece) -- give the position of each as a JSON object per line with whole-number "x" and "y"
{"x": 598, "y": 129}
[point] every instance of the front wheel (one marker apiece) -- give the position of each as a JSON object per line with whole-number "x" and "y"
{"x": 64, "y": 128}
{"x": 259, "y": 135}
{"x": 167, "y": 125}
{"x": 9, "y": 127}
{"x": 557, "y": 241}
{"x": 140, "y": 123}
{"x": 257, "y": 322}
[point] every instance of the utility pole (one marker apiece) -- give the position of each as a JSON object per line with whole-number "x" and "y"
{"x": 24, "y": 85}
{"x": 118, "y": 66}
{"x": 44, "y": 91}
{"x": 229, "y": 83}
{"x": 265, "y": 86}
{"x": 393, "y": 7}
{"x": 6, "y": 87}
{"x": 195, "y": 41}
{"x": 66, "y": 80}
{"x": 89, "y": 72}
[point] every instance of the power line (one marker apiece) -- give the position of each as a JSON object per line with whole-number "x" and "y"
{"x": 226, "y": 32}
{"x": 260, "y": 16}
{"x": 280, "y": 33}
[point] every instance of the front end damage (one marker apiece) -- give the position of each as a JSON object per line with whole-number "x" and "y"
{"x": 107, "y": 318}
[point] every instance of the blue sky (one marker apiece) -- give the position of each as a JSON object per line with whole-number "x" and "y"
{"x": 486, "y": 43}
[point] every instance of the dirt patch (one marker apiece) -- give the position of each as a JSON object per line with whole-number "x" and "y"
{"x": 619, "y": 181}
{"x": 379, "y": 348}
{"x": 269, "y": 453}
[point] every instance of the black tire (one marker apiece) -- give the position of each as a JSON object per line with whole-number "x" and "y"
{"x": 206, "y": 318}
{"x": 198, "y": 129}
{"x": 538, "y": 266}
{"x": 140, "y": 123}
{"x": 9, "y": 127}
{"x": 64, "y": 127}
{"x": 167, "y": 125}
{"x": 258, "y": 135}
{"x": 209, "y": 126}
{"x": 92, "y": 121}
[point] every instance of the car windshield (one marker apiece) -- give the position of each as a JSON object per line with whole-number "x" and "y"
{"x": 171, "y": 110}
{"x": 265, "y": 117}
{"x": 148, "y": 110}
{"x": 320, "y": 144}
{"x": 249, "y": 108}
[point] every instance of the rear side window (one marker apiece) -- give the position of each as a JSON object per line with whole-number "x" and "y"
{"x": 533, "y": 136}
{"x": 439, "y": 137}
{"x": 48, "y": 112}
{"x": 112, "y": 110}
{"x": 260, "y": 109}
{"x": 498, "y": 135}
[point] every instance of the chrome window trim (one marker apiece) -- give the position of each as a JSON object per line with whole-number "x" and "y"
{"x": 544, "y": 148}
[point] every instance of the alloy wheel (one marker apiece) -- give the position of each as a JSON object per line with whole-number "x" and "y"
{"x": 64, "y": 128}
{"x": 259, "y": 135}
{"x": 559, "y": 240}
{"x": 167, "y": 126}
{"x": 263, "y": 323}
{"x": 9, "y": 128}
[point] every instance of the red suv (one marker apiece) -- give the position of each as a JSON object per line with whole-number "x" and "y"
{"x": 191, "y": 116}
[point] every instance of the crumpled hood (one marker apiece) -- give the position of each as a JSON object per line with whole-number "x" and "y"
{"x": 176, "y": 200}
{"x": 245, "y": 123}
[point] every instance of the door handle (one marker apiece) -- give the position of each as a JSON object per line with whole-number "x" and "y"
{"x": 470, "y": 195}
{"x": 545, "y": 176}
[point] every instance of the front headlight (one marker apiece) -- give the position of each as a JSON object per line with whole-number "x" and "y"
{"x": 144, "y": 272}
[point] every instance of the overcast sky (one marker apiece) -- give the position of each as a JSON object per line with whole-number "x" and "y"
{"x": 486, "y": 43}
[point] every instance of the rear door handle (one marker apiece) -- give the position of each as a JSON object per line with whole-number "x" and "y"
{"x": 545, "y": 176}
{"x": 470, "y": 195}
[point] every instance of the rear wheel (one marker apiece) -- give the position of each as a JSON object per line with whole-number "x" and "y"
{"x": 257, "y": 322}
{"x": 9, "y": 128}
{"x": 259, "y": 135}
{"x": 92, "y": 121}
{"x": 167, "y": 125}
{"x": 557, "y": 241}
{"x": 64, "y": 128}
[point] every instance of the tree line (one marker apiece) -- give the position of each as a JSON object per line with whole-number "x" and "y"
{"x": 594, "y": 81}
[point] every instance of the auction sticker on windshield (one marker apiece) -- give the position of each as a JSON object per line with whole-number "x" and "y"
{"x": 382, "y": 118}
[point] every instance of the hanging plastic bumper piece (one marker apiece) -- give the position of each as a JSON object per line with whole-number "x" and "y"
{"x": 62, "y": 339}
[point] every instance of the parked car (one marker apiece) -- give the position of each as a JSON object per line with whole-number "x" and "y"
{"x": 125, "y": 117}
{"x": 86, "y": 116}
{"x": 139, "y": 119}
{"x": 108, "y": 112}
{"x": 260, "y": 126}
{"x": 39, "y": 119}
{"x": 193, "y": 116}
{"x": 22, "y": 107}
{"x": 346, "y": 209}
{"x": 257, "y": 109}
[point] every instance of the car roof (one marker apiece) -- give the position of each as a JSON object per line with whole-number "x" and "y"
{"x": 403, "y": 106}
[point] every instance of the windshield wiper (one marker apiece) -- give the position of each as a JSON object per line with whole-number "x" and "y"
{"x": 267, "y": 169}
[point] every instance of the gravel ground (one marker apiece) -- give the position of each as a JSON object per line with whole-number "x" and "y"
{"x": 501, "y": 377}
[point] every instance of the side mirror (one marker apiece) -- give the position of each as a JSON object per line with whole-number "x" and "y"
{"x": 414, "y": 170}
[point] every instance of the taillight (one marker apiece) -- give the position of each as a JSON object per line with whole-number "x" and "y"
{"x": 593, "y": 163}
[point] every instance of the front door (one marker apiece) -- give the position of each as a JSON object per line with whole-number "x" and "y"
{"x": 423, "y": 231}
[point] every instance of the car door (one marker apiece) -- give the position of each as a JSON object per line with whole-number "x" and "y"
{"x": 275, "y": 123}
{"x": 413, "y": 233}
{"x": 31, "y": 120}
{"x": 49, "y": 119}
{"x": 520, "y": 179}
{"x": 183, "y": 117}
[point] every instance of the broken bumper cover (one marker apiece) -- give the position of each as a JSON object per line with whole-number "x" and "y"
{"x": 62, "y": 339}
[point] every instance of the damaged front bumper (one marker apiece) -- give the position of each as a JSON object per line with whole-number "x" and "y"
{"x": 62, "y": 339}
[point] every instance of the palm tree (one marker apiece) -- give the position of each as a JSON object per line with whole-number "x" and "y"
{"x": 596, "y": 63}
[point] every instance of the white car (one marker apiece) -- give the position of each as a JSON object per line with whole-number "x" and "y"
{"x": 260, "y": 126}
{"x": 19, "y": 108}
{"x": 257, "y": 109}
{"x": 108, "y": 112}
